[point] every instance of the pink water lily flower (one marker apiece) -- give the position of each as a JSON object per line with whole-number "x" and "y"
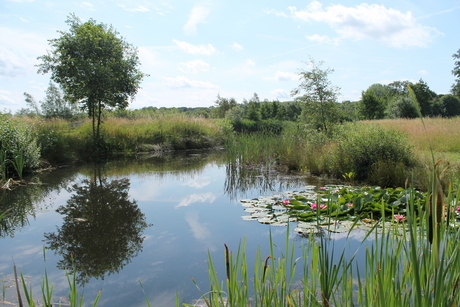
{"x": 458, "y": 209}
{"x": 285, "y": 202}
{"x": 350, "y": 205}
{"x": 322, "y": 188}
{"x": 399, "y": 217}
{"x": 322, "y": 206}
{"x": 313, "y": 206}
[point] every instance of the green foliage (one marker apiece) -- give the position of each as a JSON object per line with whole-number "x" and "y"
{"x": 368, "y": 151}
{"x": 402, "y": 107}
{"x": 264, "y": 126}
{"x": 446, "y": 106}
{"x": 222, "y": 106}
{"x": 456, "y": 73}
{"x": 320, "y": 108}
{"x": 372, "y": 106}
{"x": 54, "y": 105}
{"x": 94, "y": 67}
{"x": 18, "y": 147}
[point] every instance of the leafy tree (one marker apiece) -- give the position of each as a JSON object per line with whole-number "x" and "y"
{"x": 372, "y": 106}
{"x": 446, "y": 106}
{"x": 402, "y": 107}
{"x": 32, "y": 107}
{"x": 222, "y": 105}
{"x": 94, "y": 67}
{"x": 320, "y": 107}
{"x": 55, "y": 105}
{"x": 456, "y": 72}
{"x": 425, "y": 96}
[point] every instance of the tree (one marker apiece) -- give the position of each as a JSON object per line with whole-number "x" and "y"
{"x": 223, "y": 105}
{"x": 55, "y": 105}
{"x": 372, "y": 106}
{"x": 94, "y": 67}
{"x": 320, "y": 107}
{"x": 425, "y": 96}
{"x": 456, "y": 72}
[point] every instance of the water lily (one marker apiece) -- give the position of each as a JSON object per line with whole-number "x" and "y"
{"x": 322, "y": 188}
{"x": 458, "y": 209}
{"x": 322, "y": 206}
{"x": 399, "y": 217}
{"x": 285, "y": 202}
{"x": 313, "y": 206}
{"x": 350, "y": 205}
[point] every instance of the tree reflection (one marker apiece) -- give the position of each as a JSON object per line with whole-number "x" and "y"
{"x": 102, "y": 229}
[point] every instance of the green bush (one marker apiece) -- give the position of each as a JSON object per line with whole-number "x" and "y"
{"x": 372, "y": 154}
{"x": 19, "y": 151}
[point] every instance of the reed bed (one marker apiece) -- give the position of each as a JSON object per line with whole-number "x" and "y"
{"x": 410, "y": 263}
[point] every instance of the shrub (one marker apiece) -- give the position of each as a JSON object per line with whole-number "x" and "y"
{"x": 19, "y": 151}
{"x": 372, "y": 154}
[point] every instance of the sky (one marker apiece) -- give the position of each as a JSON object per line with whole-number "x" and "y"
{"x": 194, "y": 51}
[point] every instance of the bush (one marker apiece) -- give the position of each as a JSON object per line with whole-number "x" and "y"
{"x": 19, "y": 151}
{"x": 372, "y": 154}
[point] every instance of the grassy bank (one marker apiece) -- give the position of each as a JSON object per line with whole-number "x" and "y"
{"x": 382, "y": 152}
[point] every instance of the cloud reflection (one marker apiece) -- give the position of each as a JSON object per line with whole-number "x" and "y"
{"x": 199, "y": 231}
{"x": 198, "y": 182}
{"x": 194, "y": 198}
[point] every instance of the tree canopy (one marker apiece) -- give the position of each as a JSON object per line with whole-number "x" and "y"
{"x": 94, "y": 66}
{"x": 456, "y": 73}
{"x": 320, "y": 96}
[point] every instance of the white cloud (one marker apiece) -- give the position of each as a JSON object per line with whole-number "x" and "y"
{"x": 194, "y": 66}
{"x": 195, "y": 198}
{"x": 275, "y": 12}
{"x": 197, "y": 15}
{"x": 6, "y": 99}
{"x": 283, "y": 76}
{"x": 317, "y": 38}
{"x": 370, "y": 21}
{"x": 250, "y": 62}
{"x": 423, "y": 72}
{"x": 184, "y": 82}
{"x": 139, "y": 8}
{"x": 195, "y": 49}
{"x": 280, "y": 93}
{"x": 237, "y": 46}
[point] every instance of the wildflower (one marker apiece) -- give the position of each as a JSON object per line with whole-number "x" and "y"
{"x": 350, "y": 205}
{"x": 399, "y": 217}
{"x": 322, "y": 206}
{"x": 313, "y": 206}
{"x": 285, "y": 202}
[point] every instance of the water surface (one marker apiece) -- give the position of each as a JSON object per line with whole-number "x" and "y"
{"x": 152, "y": 219}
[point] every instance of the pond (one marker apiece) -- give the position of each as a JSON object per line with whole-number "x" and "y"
{"x": 149, "y": 218}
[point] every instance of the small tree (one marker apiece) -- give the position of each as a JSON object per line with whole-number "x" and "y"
{"x": 456, "y": 72}
{"x": 320, "y": 98}
{"x": 55, "y": 105}
{"x": 94, "y": 67}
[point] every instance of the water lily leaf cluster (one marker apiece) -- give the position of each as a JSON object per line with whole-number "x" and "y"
{"x": 335, "y": 208}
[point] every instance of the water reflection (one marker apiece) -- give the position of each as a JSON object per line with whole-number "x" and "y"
{"x": 102, "y": 228}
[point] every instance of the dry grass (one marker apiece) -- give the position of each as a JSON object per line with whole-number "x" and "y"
{"x": 442, "y": 133}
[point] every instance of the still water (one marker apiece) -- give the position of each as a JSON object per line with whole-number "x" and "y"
{"x": 150, "y": 219}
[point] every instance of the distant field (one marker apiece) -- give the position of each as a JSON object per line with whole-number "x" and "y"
{"x": 443, "y": 134}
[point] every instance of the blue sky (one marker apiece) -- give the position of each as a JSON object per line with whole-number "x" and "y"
{"x": 195, "y": 50}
